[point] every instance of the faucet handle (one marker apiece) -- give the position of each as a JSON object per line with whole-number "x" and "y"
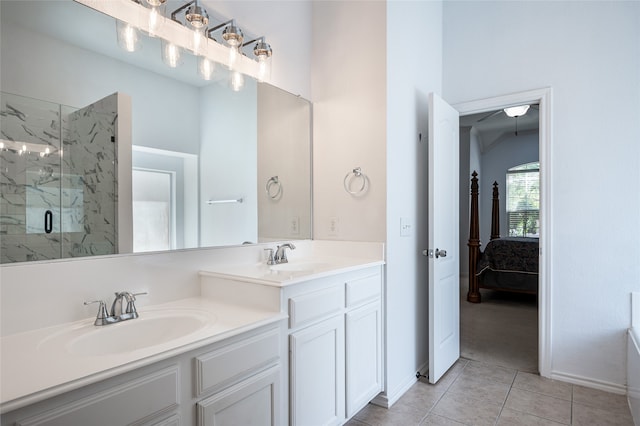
{"x": 102, "y": 311}
{"x": 131, "y": 307}
{"x": 270, "y": 260}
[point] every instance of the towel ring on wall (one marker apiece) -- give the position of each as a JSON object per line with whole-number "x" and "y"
{"x": 353, "y": 175}
{"x": 274, "y": 188}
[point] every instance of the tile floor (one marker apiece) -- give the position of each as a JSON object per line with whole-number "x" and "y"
{"x": 474, "y": 393}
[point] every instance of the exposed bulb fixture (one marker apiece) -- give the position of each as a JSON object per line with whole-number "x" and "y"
{"x": 156, "y": 16}
{"x": 237, "y": 81}
{"x": 516, "y": 111}
{"x": 128, "y": 37}
{"x": 262, "y": 51}
{"x": 155, "y": 21}
{"x": 199, "y": 42}
{"x": 171, "y": 54}
{"x": 206, "y": 67}
{"x": 196, "y": 16}
{"x": 232, "y": 35}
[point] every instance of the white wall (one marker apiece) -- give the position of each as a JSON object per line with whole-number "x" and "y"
{"x": 509, "y": 151}
{"x": 349, "y": 124}
{"x": 588, "y": 52}
{"x": 411, "y": 74}
{"x": 228, "y": 165}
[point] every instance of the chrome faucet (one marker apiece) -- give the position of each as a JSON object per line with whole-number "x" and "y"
{"x": 117, "y": 315}
{"x": 281, "y": 254}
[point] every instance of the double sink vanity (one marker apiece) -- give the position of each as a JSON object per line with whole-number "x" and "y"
{"x": 295, "y": 343}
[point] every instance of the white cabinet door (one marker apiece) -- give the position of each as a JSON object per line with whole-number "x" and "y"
{"x": 364, "y": 352}
{"x": 317, "y": 374}
{"x": 253, "y": 401}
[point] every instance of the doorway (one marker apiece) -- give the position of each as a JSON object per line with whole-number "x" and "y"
{"x": 541, "y": 97}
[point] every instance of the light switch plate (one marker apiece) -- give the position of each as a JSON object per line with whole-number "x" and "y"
{"x": 405, "y": 227}
{"x": 334, "y": 226}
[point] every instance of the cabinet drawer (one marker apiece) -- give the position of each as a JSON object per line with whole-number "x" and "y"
{"x": 253, "y": 401}
{"x": 363, "y": 289}
{"x": 230, "y": 363}
{"x": 309, "y": 307}
{"x": 135, "y": 402}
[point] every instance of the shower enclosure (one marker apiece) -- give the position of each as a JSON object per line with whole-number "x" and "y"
{"x": 59, "y": 179}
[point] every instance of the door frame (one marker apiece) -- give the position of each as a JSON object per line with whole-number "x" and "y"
{"x": 543, "y": 97}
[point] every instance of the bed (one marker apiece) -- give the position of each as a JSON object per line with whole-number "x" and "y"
{"x": 506, "y": 264}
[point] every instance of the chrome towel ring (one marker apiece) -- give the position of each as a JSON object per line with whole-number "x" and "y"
{"x": 274, "y": 188}
{"x": 353, "y": 175}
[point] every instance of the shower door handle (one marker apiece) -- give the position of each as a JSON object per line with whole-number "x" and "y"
{"x": 48, "y": 221}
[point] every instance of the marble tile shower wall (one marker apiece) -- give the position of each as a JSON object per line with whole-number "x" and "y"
{"x": 38, "y": 176}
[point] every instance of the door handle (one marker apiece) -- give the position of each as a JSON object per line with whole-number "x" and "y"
{"x": 438, "y": 253}
{"x": 48, "y": 221}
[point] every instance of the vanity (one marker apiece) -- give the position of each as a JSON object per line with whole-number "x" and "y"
{"x": 333, "y": 334}
{"x": 297, "y": 343}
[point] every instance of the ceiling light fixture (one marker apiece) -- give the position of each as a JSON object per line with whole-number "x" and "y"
{"x": 516, "y": 111}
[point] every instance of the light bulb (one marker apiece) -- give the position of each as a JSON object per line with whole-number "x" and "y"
{"x": 156, "y": 20}
{"x": 171, "y": 54}
{"x": 200, "y": 43}
{"x": 205, "y": 68}
{"x": 233, "y": 57}
{"x": 127, "y": 35}
{"x": 237, "y": 81}
{"x": 264, "y": 68}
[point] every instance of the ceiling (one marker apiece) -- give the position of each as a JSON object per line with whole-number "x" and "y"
{"x": 493, "y": 126}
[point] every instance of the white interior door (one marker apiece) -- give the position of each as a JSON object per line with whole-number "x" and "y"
{"x": 443, "y": 252}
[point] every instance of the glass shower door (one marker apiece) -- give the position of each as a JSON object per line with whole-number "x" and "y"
{"x": 59, "y": 179}
{"x": 30, "y": 152}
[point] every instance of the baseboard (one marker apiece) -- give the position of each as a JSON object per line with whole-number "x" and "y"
{"x": 387, "y": 399}
{"x": 589, "y": 382}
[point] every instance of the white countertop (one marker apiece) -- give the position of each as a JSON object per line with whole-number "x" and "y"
{"x": 310, "y": 268}
{"x": 35, "y": 367}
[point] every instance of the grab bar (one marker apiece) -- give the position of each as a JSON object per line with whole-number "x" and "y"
{"x": 239, "y": 200}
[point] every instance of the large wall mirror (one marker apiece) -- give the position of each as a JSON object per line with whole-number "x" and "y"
{"x": 206, "y": 164}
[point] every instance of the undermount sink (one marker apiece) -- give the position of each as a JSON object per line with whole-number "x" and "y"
{"x": 299, "y": 266}
{"x": 150, "y": 329}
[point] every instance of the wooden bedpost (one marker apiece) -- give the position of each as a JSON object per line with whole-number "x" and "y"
{"x": 473, "y": 295}
{"x": 495, "y": 213}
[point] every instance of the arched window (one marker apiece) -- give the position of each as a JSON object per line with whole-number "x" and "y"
{"x": 523, "y": 200}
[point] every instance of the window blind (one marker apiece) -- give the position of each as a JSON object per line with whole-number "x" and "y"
{"x": 523, "y": 200}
